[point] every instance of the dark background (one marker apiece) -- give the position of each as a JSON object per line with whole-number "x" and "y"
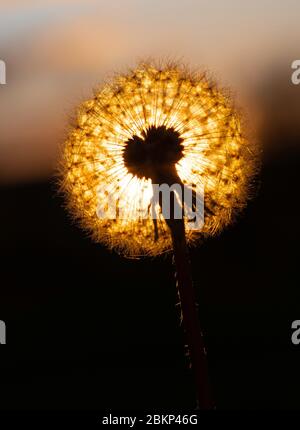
{"x": 87, "y": 329}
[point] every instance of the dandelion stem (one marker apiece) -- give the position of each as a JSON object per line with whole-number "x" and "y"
{"x": 190, "y": 318}
{"x": 167, "y": 174}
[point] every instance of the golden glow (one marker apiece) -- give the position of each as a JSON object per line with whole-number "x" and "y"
{"x": 216, "y": 154}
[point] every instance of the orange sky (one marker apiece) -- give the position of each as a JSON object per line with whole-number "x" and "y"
{"x": 55, "y": 51}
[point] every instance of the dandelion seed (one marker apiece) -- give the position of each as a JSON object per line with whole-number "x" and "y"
{"x": 98, "y": 159}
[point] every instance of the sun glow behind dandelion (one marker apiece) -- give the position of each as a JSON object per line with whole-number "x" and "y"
{"x": 215, "y": 155}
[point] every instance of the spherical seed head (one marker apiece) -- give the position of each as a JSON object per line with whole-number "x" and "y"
{"x": 136, "y": 128}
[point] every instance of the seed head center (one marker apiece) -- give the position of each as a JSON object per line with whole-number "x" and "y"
{"x": 157, "y": 151}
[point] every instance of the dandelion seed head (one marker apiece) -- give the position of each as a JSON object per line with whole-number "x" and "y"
{"x": 107, "y": 153}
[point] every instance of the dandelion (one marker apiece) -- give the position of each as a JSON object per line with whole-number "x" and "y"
{"x": 158, "y": 125}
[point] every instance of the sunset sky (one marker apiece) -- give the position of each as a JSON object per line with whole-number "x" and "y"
{"x": 57, "y": 51}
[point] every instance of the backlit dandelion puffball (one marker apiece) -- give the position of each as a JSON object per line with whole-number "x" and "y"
{"x": 215, "y": 156}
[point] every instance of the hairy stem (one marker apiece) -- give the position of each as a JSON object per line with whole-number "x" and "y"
{"x": 190, "y": 318}
{"x": 167, "y": 174}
